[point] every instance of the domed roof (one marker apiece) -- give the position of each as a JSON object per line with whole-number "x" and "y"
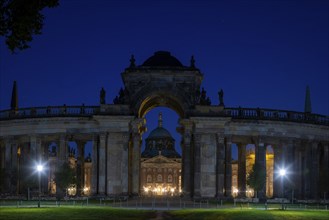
{"x": 162, "y": 58}
{"x": 159, "y": 132}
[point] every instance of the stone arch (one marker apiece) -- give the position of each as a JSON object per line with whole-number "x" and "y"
{"x": 160, "y": 99}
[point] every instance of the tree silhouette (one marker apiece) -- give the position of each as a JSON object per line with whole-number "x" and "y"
{"x": 257, "y": 178}
{"x": 64, "y": 177}
{"x": 21, "y": 19}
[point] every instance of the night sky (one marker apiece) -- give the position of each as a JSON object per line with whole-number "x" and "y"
{"x": 261, "y": 53}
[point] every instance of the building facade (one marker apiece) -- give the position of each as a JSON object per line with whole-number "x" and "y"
{"x": 299, "y": 140}
{"x": 161, "y": 164}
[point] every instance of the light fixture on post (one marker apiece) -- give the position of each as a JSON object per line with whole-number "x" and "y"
{"x": 282, "y": 173}
{"x": 39, "y": 170}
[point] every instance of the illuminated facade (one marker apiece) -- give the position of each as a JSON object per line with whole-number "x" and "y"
{"x": 160, "y": 164}
{"x": 208, "y": 130}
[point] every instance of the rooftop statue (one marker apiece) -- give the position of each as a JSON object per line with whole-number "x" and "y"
{"x": 221, "y": 97}
{"x": 102, "y": 96}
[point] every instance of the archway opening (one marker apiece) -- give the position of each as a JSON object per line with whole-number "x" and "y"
{"x": 161, "y": 154}
{"x": 161, "y": 100}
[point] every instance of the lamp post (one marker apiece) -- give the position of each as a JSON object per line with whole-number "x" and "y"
{"x": 39, "y": 169}
{"x": 283, "y": 173}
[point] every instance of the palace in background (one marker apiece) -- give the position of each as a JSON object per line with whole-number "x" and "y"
{"x": 160, "y": 164}
{"x": 295, "y": 142}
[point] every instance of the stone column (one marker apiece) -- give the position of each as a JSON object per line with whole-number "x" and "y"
{"x": 137, "y": 128}
{"x": 80, "y": 166}
{"x": 297, "y": 177}
{"x": 315, "y": 170}
{"x": 260, "y": 159}
{"x": 35, "y": 151}
{"x": 307, "y": 169}
{"x": 94, "y": 160}
{"x": 220, "y": 165}
{"x": 62, "y": 157}
{"x": 14, "y": 148}
{"x": 124, "y": 146}
{"x": 2, "y": 155}
{"x": 117, "y": 159}
{"x": 62, "y": 151}
{"x": 242, "y": 169}
{"x": 291, "y": 167}
{"x": 197, "y": 165}
{"x": 187, "y": 167}
{"x": 14, "y": 165}
{"x": 102, "y": 163}
{"x": 325, "y": 168}
{"x": 277, "y": 190}
{"x": 136, "y": 151}
{"x": 7, "y": 166}
{"x": 228, "y": 167}
{"x": 45, "y": 160}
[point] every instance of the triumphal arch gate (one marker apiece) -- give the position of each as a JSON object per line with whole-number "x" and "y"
{"x": 299, "y": 139}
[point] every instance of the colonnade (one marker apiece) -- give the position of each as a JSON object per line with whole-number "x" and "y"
{"x": 207, "y": 169}
{"x": 206, "y": 160}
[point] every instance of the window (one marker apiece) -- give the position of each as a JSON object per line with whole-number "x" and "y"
{"x": 149, "y": 178}
{"x": 235, "y": 180}
{"x": 169, "y": 178}
{"x": 159, "y": 178}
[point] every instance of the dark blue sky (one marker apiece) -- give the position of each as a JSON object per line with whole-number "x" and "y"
{"x": 261, "y": 53}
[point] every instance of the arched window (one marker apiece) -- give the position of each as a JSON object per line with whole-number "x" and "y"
{"x": 149, "y": 178}
{"x": 169, "y": 178}
{"x": 159, "y": 178}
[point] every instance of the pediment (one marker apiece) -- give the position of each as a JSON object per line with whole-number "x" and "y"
{"x": 160, "y": 159}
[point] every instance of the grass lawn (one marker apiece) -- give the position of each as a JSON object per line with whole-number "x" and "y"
{"x": 74, "y": 213}
{"x": 232, "y": 214}
{"x": 81, "y": 213}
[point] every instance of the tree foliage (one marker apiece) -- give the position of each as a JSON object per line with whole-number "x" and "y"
{"x": 21, "y": 19}
{"x": 64, "y": 177}
{"x": 257, "y": 177}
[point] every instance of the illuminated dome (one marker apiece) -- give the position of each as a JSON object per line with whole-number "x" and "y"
{"x": 161, "y": 142}
{"x": 161, "y": 59}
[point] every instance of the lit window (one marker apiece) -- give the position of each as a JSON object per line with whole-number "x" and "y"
{"x": 159, "y": 178}
{"x": 149, "y": 178}
{"x": 169, "y": 178}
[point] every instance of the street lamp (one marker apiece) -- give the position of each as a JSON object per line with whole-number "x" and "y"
{"x": 282, "y": 173}
{"x": 39, "y": 170}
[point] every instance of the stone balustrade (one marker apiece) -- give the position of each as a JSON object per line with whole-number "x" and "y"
{"x": 235, "y": 113}
{"x": 278, "y": 115}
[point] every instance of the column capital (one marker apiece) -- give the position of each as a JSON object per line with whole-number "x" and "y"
{"x": 258, "y": 140}
{"x": 228, "y": 139}
{"x": 220, "y": 138}
{"x": 186, "y": 125}
{"x": 102, "y": 135}
{"x": 138, "y": 125}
